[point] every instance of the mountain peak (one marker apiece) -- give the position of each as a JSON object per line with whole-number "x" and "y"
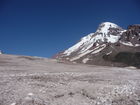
{"x": 105, "y": 26}
{"x": 108, "y": 24}
{"x": 106, "y": 33}
{"x": 110, "y": 44}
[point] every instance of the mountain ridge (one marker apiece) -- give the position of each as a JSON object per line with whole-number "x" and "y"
{"x": 104, "y": 45}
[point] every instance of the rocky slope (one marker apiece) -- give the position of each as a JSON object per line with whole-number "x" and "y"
{"x": 26, "y": 80}
{"x": 109, "y": 45}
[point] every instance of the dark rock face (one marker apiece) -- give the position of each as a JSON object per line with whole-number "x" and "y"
{"x": 110, "y": 45}
{"x": 132, "y": 34}
{"x": 128, "y": 58}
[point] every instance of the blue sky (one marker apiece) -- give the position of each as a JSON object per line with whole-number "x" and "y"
{"x": 45, "y": 27}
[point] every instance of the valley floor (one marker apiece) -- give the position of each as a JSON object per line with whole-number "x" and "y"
{"x": 28, "y": 80}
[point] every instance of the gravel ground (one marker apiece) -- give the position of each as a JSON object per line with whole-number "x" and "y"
{"x": 28, "y": 80}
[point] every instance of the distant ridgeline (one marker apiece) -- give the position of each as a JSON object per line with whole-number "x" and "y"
{"x": 110, "y": 45}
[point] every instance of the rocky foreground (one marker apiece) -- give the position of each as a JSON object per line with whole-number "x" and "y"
{"x": 28, "y": 80}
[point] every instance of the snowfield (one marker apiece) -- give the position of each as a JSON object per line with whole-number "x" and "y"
{"x": 28, "y": 80}
{"x": 95, "y": 44}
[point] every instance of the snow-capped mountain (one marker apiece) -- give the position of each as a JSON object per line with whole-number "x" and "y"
{"x": 103, "y": 46}
{"x": 105, "y": 33}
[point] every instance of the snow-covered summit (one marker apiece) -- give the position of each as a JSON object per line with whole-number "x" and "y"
{"x": 105, "y": 26}
{"x": 109, "y": 24}
{"x": 106, "y": 32}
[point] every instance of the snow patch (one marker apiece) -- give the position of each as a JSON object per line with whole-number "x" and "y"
{"x": 85, "y": 60}
{"x": 81, "y": 55}
{"x": 113, "y": 39}
{"x": 30, "y": 94}
{"x": 67, "y": 58}
{"x": 94, "y": 51}
{"x": 136, "y": 45}
{"x": 127, "y": 43}
{"x": 13, "y": 104}
{"x": 100, "y": 49}
{"x": 109, "y": 53}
